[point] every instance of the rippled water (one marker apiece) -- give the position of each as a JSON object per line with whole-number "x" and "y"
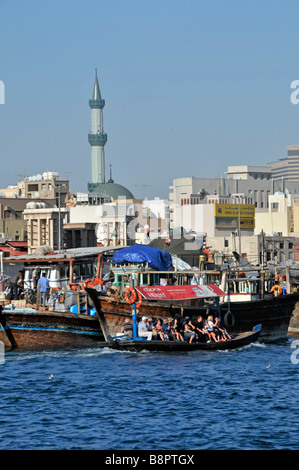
{"x": 104, "y": 399}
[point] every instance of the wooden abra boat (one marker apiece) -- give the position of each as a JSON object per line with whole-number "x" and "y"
{"x": 238, "y": 316}
{"x": 139, "y": 344}
{"x": 29, "y": 326}
{"x": 123, "y": 342}
{"x": 31, "y": 329}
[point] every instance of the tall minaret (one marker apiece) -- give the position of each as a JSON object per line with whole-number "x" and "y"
{"x": 97, "y": 137}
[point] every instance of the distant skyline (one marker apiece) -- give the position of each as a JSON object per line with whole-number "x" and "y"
{"x": 191, "y": 87}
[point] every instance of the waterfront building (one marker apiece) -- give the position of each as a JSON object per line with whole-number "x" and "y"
{"x": 10, "y": 192}
{"x": 12, "y": 228}
{"x": 48, "y": 185}
{"x": 278, "y": 218}
{"x": 44, "y": 225}
{"x": 122, "y": 221}
{"x": 296, "y": 215}
{"x": 47, "y": 188}
{"x": 115, "y": 222}
{"x": 286, "y": 169}
{"x": 156, "y": 208}
{"x": 253, "y": 184}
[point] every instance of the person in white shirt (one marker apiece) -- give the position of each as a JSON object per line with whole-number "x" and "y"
{"x": 143, "y": 330}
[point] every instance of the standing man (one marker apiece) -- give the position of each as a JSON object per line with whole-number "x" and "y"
{"x": 35, "y": 277}
{"x": 15, "y": 282}
{"x": 276, "y": 289}
{"x": 44, "y": 288}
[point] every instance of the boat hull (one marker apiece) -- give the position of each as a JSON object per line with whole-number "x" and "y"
{"x": 273, "y": 313}
{"x": 26, "y": 329}
{"x": 242, "y": 339}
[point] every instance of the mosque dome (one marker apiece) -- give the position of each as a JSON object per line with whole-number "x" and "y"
{"x": 111, "y": 190}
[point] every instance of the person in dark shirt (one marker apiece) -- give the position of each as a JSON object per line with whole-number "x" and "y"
{"x": 222, "y": 330}
{"x": 189, "y": 330}
{"x": 201, "y": 332}
{"x": 166, "y": 328}
{"x": 127, "y": 328}
{"x": 175, "y": 331}
{"x": 16, "y": 281}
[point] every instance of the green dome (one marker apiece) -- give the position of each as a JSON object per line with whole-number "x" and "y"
{"x": 113, "y": 190}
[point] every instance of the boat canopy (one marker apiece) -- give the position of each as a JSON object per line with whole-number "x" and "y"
{"x": 158, "y": 259}
{"x": 180, "y": 292}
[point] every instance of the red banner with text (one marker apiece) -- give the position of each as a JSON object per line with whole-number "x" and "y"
{"x": 180, "y": 292}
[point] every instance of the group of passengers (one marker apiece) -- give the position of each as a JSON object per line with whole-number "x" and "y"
{"x": 196, "y": 329}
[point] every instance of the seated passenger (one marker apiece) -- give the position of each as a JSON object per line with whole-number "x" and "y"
{"x": 150, "y": 324}
{"x": 202, "y": 333}
{"x": 223, "y": 331}
{"x": 159, "y": 329}
{"x": 166, "y": 328}
{"x": 175, "y": 333}
{"x": 211, "y": 328}
{"x": 189, "y": 330}
{"x": 127, "y": 328}
{"x": 142, "y": 329}
{"x": 151, "y": 327}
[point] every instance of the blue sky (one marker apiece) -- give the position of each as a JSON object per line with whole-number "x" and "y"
{"x": 190, "y": 87}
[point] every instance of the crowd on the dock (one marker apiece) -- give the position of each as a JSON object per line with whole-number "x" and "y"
{"x": 196, "y": 329}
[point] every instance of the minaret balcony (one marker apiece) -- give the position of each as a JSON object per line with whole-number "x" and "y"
{"x": 98, "y": 104}
{"x": 97, "y": 139}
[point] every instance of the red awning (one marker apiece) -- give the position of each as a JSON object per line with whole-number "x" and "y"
{"x": 180, "y": 292}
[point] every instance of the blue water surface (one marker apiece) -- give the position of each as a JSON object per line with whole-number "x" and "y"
{"x": 102, "y": 399}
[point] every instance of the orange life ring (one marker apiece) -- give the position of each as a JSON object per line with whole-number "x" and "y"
{"x": 130, "y": 295}
{"x": 139, "y": 300}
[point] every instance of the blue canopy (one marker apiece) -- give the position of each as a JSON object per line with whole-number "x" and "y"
{"x": 158, "y": 259}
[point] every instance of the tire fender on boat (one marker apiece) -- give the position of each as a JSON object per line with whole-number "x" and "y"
{"x": 229, "y": 320}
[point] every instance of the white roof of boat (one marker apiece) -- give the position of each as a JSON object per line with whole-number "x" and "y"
{"x": 65, "y": 254}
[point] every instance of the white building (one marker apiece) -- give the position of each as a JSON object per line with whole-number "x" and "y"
{"x": 116, "y": 222}
{"x": 278, "y": 218}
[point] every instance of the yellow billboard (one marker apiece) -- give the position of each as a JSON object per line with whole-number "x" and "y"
{"x": 227, "y": 216}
